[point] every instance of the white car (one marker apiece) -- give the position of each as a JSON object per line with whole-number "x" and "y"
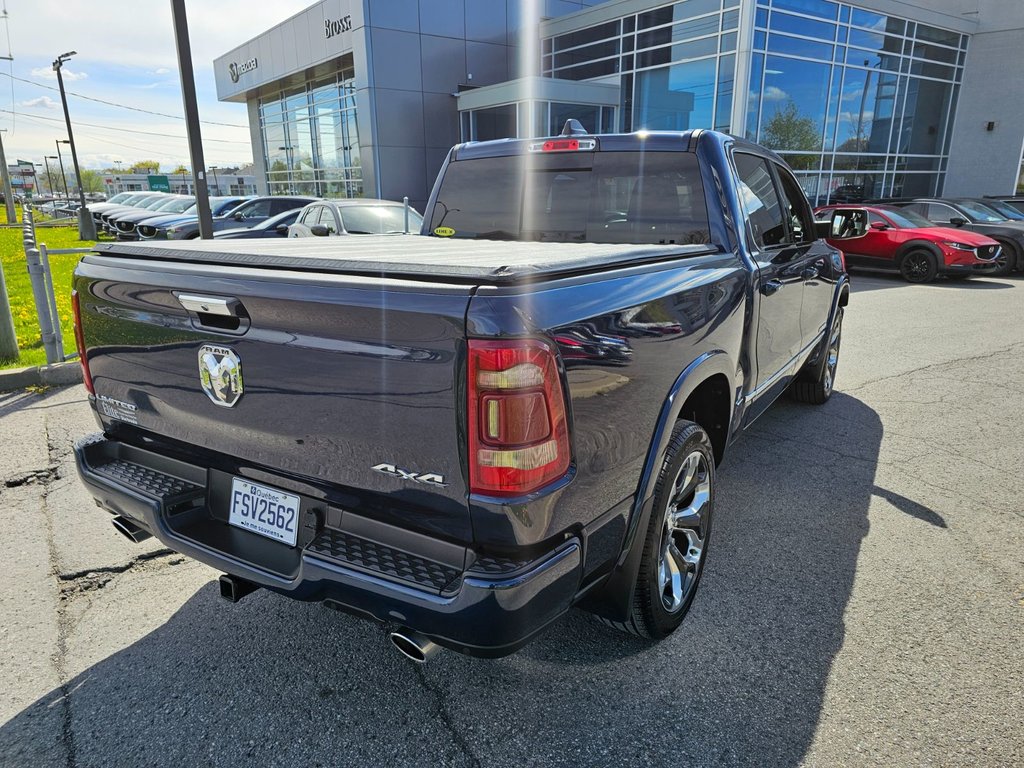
{"x": 355, "y": 216}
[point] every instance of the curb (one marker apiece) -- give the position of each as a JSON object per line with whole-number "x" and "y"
{"x": 56, "y": 375}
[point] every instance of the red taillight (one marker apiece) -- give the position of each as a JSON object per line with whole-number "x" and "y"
{"x": 518, "y": 432}
{"x": 561, "y": 145}
{"x": 80, "y": 343}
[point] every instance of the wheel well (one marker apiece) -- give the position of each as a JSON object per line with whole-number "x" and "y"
{"x": 710, "y": 406}
{"x": 1012, "y": 247}
{"x": 920, "y": 245}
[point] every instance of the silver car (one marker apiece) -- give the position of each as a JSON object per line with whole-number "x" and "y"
{"x": 356, "y": 216}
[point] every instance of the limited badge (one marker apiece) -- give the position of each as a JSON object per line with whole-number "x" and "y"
{"x": 220, "y": 371}
{"x": 444, "y": 231}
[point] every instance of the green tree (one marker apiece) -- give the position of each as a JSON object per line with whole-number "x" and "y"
{"x": 788, "y": 130}
{"x": 92, "y": 181}
{"x": 145, "y": 166}
{"x": 180, "y": 170}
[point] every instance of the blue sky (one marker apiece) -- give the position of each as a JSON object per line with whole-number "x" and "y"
{"x": 125, "y": 55}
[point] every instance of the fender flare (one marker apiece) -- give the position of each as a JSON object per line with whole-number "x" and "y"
{"x": 840, "y": 299}
{"x": 614, "y": 599}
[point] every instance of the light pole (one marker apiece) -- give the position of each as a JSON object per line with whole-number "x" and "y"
{"x": 216, "y": 184}
{"x": 86, "y": 226}
{"x": 49, "y": 174}
{"x": 119, "y": 186}
{"x": 192, "y": 129}
{"x": 288, "y": 163}
{"x": 63, "y": 175}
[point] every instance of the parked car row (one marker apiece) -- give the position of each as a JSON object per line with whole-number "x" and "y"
{"x": 922, "y": 238}
{"x": 163, "y": 216}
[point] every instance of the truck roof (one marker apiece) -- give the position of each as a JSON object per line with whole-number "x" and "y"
{"x": 412, "y": 256}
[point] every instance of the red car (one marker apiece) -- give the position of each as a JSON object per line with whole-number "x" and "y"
{"x": 892, "y": 239}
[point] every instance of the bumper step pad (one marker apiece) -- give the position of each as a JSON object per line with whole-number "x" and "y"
{"x": 363, "y": 554}
{"x": 149, "y": 482}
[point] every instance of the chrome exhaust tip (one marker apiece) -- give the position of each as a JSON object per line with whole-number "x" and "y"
{"x": 130, "y": 530}
{"x": 414, "y": 646}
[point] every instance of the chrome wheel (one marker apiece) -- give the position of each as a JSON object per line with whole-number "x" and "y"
{"x": 687, "y": 516}
{"x": 832, "y": 361}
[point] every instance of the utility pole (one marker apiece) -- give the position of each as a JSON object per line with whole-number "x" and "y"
{"x": 8, "y": 193}
{"x": 86, "y": 226}
{"x": 195, "y": 139}
{"x": 60, "y": 159}
{"x": 216, "y": 184}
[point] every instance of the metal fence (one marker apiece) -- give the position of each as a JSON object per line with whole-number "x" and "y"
{"x": 37, "y": 257}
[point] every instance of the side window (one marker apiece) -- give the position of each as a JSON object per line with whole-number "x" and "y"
{"x": 280, "y": 206}
{"x": 260, "y": 208}
{"x": 801, "y": 224}
{"x": 760, "y": 200}
{"x": 939, "y": 213}
{"x": 874, "y": 218}
{"x": 329, "y": 219}
{"x": 920, "y": 208}
{"x": 310, "y": 216}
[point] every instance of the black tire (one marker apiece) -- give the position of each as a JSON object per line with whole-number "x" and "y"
{"x": 685, "y": 493}
{"x": 1006, "y": 261}
{"x": 918, "y": 266}
{"x": 815, "y": 385}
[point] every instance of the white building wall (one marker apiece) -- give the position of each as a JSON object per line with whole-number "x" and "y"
{"x": 983, "y": 162}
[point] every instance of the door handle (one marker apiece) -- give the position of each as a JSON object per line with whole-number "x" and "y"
{"x": 809, "y": 273}
{"x": 210, "y": 305}
{"x": 772, "y": 286}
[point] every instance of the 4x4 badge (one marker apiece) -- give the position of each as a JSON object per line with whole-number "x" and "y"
{"x": 220, "y": 373}
{"x": 427, "y": 478}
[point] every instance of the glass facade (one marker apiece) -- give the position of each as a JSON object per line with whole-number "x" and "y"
{"x": 859, "y": 104}
{"x": 674, "y": 64}
{"x": 527, "y": 119}
{"x": 310, "y": 141}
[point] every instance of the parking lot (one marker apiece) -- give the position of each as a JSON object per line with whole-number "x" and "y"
{"x": 863, "y": 602}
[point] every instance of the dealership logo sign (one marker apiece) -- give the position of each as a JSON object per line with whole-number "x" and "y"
{"x": 236, "y": 70}
{"x": 334, "y": 27}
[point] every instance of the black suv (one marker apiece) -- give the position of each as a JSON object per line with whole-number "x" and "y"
{"x": 974, "y": 216}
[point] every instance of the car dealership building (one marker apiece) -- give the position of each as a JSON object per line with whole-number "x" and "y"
{"x": 864, "y": 99}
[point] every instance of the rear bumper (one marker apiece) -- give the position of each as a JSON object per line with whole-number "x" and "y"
{"x": 492, "y": 607}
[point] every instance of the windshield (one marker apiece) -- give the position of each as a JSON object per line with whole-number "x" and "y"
{"x": 904, "y": 219}
{"x": 221, "y": 205}
{"x": 1005, "y": 209}
{"x": 979, "y": 212}
{"x": 178, "y": 206}
{"x": 378, "y": 219}
{"x": 120, "y": 197}
{"x": 153, "y": 203}
{"x": 597, "y": 197}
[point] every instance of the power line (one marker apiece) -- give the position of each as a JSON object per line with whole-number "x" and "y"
{"x": 115, "y": 104}
{"x": 123, "y": 130}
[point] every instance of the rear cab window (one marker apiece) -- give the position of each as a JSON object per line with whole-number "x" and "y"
{"x": 596, "y": 197}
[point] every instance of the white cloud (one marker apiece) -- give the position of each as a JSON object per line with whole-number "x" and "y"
{"x": 161, "y": 71}
{"x": 774, "y": 93}
{"x": 69, "y": 74}
{"x": 43, "y": 101}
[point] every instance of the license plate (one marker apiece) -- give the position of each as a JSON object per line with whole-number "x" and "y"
{"x": 266, "y": 511}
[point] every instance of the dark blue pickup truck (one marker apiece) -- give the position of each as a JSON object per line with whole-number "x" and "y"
{"x": 464, "y": 434}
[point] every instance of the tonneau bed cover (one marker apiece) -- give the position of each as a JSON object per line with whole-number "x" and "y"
{"x": 478, "y": 261}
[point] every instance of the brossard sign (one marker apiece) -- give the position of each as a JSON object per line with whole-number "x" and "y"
{"x": 333, "y": 27}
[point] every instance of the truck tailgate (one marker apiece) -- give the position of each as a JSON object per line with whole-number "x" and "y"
{"x": 338, "y": 375}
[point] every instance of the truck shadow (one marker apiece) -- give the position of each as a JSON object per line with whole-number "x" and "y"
{"x": 741, "y": 682}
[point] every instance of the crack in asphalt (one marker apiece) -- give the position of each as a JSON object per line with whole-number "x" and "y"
{"x": 59, "y": 657}
{"x": 141, "y": 559}
{"x": 943, "y": 364}
{"x": 35, "y": 476}
{"x": 445, "y": 717}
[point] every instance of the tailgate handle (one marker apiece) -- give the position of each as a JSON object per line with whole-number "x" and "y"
{"x": 209, "y": 305}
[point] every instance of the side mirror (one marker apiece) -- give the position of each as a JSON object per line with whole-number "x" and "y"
{"x": 957, "y": 221}
{"x": 238, "y": 216}
{"x": 319, "y": 230}
{"x": 879, "y": 225}
{"x": 281, "y": 229}
{"x": 822, "y": 229}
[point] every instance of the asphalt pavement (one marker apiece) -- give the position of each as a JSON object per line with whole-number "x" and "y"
{"x": 863, "y": 603}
